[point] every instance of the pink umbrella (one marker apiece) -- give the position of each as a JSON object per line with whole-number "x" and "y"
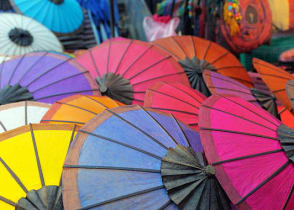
{"x": 175, "y": 98}
{"x": 252, "y": 153}
{"x": 125, "y": 69}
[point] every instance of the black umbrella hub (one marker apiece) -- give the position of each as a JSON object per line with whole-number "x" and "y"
{"x": 115, "y": 87}
{"x": 194, "y": 68}
{"x": 21, "y": 37}
{"x": 57, "y": 2}
{"x": 190, "y": 182}
{"x": 48, "y": 197}
{"x": 14, "y": 93}
{"x": 286, "y": 137}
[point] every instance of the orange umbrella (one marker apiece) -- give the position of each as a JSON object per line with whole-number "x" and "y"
{"x": 78, "y": 109}
{"x": 196, "y": 55}
{"x": 276, "y": 79}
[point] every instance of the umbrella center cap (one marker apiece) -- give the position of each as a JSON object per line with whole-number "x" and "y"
{"x": 57, "y": 2}
{"x": 21, "y": 37}
{"x": 210, "y": 170}
{"x": 16, "y": 93}
{"x": 48, "y": 197}
{"x": 115, "y": 87}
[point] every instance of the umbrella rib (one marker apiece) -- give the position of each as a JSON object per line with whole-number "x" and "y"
{"x": 112, "y": 168}
{"x": 174, "y": 110}
{"x": 181, "y": 129}
{"x": 160, "y": 125}
{"x": 15, "y": 68}
{"x": 98, "y": 102}
{"x": 136, "y": 60}
{"x": 77, "y": 107}
{"x": 239, "y": 132}
{"x": 37, "y": 156}
{"x": 2, "y": 125}
{"x": 94, "y": 63}
{"x": 122, "y": 144}
{"x": 175, "y": 41}
{"x": 139, "y": 129}
{"x": 123, "y": 56}
{"x": 167, "y": 51}
{"x": 220, "y": 57}
{"x": 164, "y": 206}
{"x": 228, "y": 81}
{"x": 188, "y": 94}
{"x": 108, "y": 55}
{"x": 264, "y": 182}
{"x": 14, "y": 176}
{"x": 194, "y": 48}
{"x": 32, "y": 66}
{"x": 206, "y": 51}
{"x": 178, "y": 99}
{"x": 5, "y": 200}
{"x": 63, "y": 121}
{"x": 49, "y": 70}
{"x": 276, "y": 76}
{"x": 250, "y": 111}
{"x": 272, "y": 68}
{"x": 154, "y": 78}
{"x": 26, "y": 112}
{"x": 229, "y": 89}
{"x": 60, "y": 80}
{"x": 122, "y": 197}
{"x": 72, "y": 135}
{"x": 247, "y": 156}
{"x": 65, "y": 93}
{"x": 229, "y": 67}
{"x": 279, "y": 90}
{"x": 288, "y": 197}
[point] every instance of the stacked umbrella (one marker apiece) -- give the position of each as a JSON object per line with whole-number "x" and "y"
{"x": 174, "y": 124}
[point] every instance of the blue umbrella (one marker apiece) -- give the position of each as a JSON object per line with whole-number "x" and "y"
{"x": 135, "y": 158}
{"x": 60, "y": 16}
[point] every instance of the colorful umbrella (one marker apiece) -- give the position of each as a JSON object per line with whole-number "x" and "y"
{"x": 60, "y": 16}
{"x": 132, "y": 158}
{"x": 219, "y": 84}
{"x": 125, "y": 69}
{"x": 183, "y": 102}
{"x": 286, "y": 116}
{"x": 22, "y": 113}
{"x": 251, "y": 151}
{"x": 21, "y": 35}
{"x": 31, "y": 159}
{"x": 43, "y": 77}
{"x": 78, "y": 109}
{"x": 255, "y": 26}
{"x": 196, "y": 55}
{"x": 275, "y": 78}
{"x": 258, "y": 82}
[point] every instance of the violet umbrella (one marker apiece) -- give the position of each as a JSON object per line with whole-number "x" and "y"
{"x": 43, "y": 77}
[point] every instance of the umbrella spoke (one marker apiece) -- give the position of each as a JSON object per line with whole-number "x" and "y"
{"x": 288, "y": 197}
{"x": 122, "y": 57}
{"x": 7, "y": 201}
{"x": 112, "y": 168}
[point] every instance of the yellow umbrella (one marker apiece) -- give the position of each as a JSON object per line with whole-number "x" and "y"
{"x": 31, "y": 160}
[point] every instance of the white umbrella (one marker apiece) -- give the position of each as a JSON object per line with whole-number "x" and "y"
{"x": 4, "y": 58}
{"x": 22, "y": 113}
{"x": 20, "y": 35}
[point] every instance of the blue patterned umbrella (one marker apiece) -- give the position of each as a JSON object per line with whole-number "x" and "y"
{"x": 60, "y": 16}
{"x": 135, "y": 158}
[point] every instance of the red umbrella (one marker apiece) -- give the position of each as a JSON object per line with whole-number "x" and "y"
{"x": 175, "y": 98}
{"x": 124, "y": 69}
{"x": 251, "y": 151}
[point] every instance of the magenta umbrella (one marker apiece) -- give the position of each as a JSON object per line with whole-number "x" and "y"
{"x": 252, "y": 153}
{"x": 44, "y": 77}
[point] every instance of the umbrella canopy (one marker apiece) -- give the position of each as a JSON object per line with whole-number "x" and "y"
{"x": 78, "y": 109}
{"x": 286, "y": 116}
{"x": 22, "y": 113}
{"x": 43, "y": 77}
{"x": 125, "y": 69}
{"x": 60, "y": 16}
{"x": 31, "y": 165}
{"x": 254, "y": 161}
{"x": 130, "y": 157}
{"x": 255, "y": 26}
{"x": 219, "y": 84}
{"x": 4, "y": 58}
{"x": 21, "y": 35}
{"x": 196, "y": 55}
{"x": 275, "y": 78}
{"x": 183, "y": 102}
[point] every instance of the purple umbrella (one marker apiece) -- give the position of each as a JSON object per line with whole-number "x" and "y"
{"x": 44, "y": 77}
